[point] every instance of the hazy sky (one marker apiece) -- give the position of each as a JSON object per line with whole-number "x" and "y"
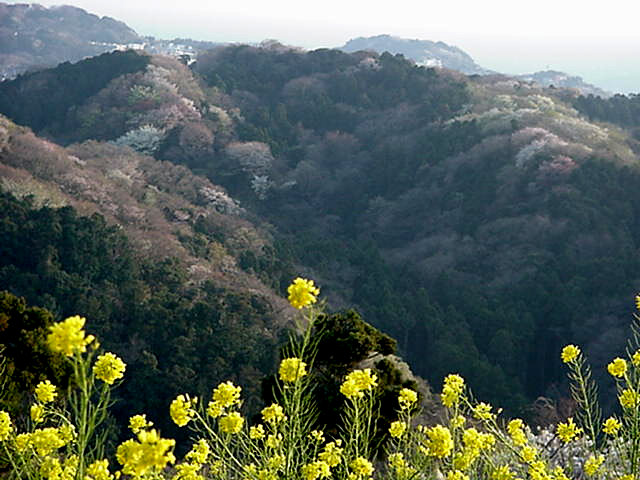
{"x": 599, "y": 41}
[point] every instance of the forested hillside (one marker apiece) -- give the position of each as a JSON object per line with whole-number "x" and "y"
{"x": 482, "y": 222}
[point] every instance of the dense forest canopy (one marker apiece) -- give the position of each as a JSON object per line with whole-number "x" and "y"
{"x": 481, "y": 221}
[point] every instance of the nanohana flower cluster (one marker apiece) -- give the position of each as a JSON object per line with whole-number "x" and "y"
{"x": 472, "y": 441}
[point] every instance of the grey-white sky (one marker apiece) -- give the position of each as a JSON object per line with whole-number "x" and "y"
{"x": 599, "y": 41}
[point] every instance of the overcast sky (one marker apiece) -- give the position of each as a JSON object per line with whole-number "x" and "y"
{"x": 599, "y": 41}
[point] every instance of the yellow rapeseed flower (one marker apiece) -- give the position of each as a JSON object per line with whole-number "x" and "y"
{"x": 99, "y": 470}
{"x": 397, "y": 429}
{"x": 439, "y": 442}
{"x": 46, "y": 440}
{"x": 593, "y": 464}
{"x": 37, "y": 413}
{"x": 482, "y": 411}
{"x": 635, "y": 359}
{"x": 68, "y": 337}
{"x": 452, "y": 389}
{"x": 516, "y": 430}
{"x": 199, "y": 452}
{"x": 214, "y": 409}
{"x": 628, "y": 398}
{"x": 407, "y": 398}
{"x": 139, "y": 422}
{"x": 502, "y": 473}
{"x": 528, "y": 454}
{"x": 273, "y": 414}
{"x": 292, "y": 369}
{"x": 358, "y": 382}
{"x": 638, "y": 302}
{"x": 456, "y": 475}
{"x": 302, "y": 293}
{"x": 181, "y": 410}
{"x": 315, "y": 470}
{"x": 361, "y": 467}
{"x": 67, "y": 433}
{"x": 629, "y": 476}
{"x": 618, "y": 367}
{"x": 256, "y": 432}
{"x": 109, "y": 368}
{"x": 149, "y": 453}
{"x": 227, "y": 394}
{"x": 458, "y": 421}
{"x": 273, "y": 441}
{"x": 568, "y": 431}
{"x": 23, "y": 440}
{"x": 5, "y": 425}
{"x": 46, "y": 392}
{"x": 569, "y": 353}
{"x": 332, "y": 453}
{"x": 611, "y": 426}
{"x": 231, "y": 423}
{"x": 317, "y": 436}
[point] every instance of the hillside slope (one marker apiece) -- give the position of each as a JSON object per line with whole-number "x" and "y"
{"x": 481, "y": 221}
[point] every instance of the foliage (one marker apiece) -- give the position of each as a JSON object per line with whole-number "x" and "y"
{"x": 66, "y": 436}
{"x": 25, "y": 357}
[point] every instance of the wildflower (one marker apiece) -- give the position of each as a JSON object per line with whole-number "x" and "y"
{"x": 256, "y": 432}
{"x": 99, "y": 470}
{"x": 396, "y": 460}
{"x": 199, "y": 452}
{"x": 635, "y": 359}
{"x": 317, "y": 436}
{"x": 23, "y": 440}
{"x": 5, "y": 425}
{"x": 611, "y": 426}
{"x": 538, "y": 470}
{"x": 67, "y": 337}
{"x": 276, "y": 462}
{"x": 46, "y": 441}
{"x": 407, "y": 398}
{"x": 109, "y": 368}
{"x": 592, "y": 465}
{"x": 502, "y": 473}
{"x": 181, "y": 410}
{"x": 148, "y": 453}
{"x": 302, "y": 293}
{"x": 314, "y": 470}
{"x": 638, "y": 302}
{"x": 528, "y": 454}
{"x": 188, "y": 471}
{"x": 482, "y": 411}
{"x": 37, "y": 413}
{"x": 292, "y": 369}
{"x": 515, "y": 429}
{"x": 456, "y": 475}
{"x": 226, "y": 394}
{"x": 273, "y": 414}
{"x": 214, "y": 409}
{"x": 628, "y": 398}
{"x": 568, "y": 431}
{"x": 558, "y": 474}
{"x": 273, "y": 440}
{"x": 138, "y": 422}
{"x": 440, "y": 442}
{"x": 458, "y": 421}
{"x": 357, "y": 382}
{"x": 397, "y": 429}
{"x": 51, "y": 468}
{"x": 452, "y": 389}
{"x": 231, "y": 423}
{"x": 569, "y": 353}
{"x": 627, "y": 477}
{"x": 67, "y": 432}
{"x": 332, "y": 453}
{"x": 46, "y": 392}
{"x": 361, "y": 467}
{"x": 618, "y": 367}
